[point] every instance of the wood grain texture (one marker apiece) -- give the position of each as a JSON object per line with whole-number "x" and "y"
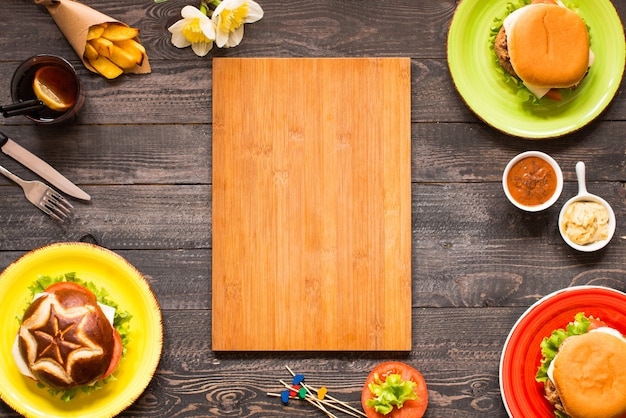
{"x": 143, "y": 144}
{"x": 459, "y": 365}
{"x": 311, "y": 204}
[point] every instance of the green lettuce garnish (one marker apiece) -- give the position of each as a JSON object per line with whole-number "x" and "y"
{"x": 121, "y": 322}
{"x": 550, "y": 345}
{"x": 559, "y": 414}
{"x": 524, "y": 95}
{"x": 392, "y": 392}
{"x": 498, "y": 21}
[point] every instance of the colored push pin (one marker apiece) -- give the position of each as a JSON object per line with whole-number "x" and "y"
{"x": 321, "y": 393}
{"x": 297, "y": 379}
{"x": 284, "y": 396}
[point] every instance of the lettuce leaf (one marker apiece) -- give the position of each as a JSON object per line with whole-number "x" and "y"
{"x": 550, "y": 345}
{"x": 121, "y": 322}
{"x": 522, "y": 92}
{"x": 499, "y": 20}
{"x": 392, "y": 392}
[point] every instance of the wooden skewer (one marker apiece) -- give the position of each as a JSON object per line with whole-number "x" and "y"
{"x": 345, "y": 404}
{"x": 336, "y": 406}
{"x": 326, "y": 411}
{"x": 278, "y": 395}
{"x": 332, "y": 403}
{"x": 310, "y": 398}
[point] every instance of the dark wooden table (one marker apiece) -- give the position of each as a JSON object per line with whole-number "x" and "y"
{"x": 142, "y": 148}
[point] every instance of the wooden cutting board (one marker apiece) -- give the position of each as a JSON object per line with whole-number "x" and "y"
{"x": 311, "y": 204}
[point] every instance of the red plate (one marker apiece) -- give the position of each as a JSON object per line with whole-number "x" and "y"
{"x": 521, "y": 394}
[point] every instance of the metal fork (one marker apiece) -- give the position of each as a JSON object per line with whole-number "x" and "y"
{"x": 43, "y": 196}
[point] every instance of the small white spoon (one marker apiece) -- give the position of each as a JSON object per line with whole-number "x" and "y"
{"x": 584, "y": 196}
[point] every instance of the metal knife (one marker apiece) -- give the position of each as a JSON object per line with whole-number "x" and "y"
{"x": 40, "y": 167}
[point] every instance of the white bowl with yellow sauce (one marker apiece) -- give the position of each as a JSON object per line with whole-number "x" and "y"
{"x": 586, "y": 221}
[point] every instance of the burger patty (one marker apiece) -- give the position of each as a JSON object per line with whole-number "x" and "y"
{"x": 502, "y": 52}
{"x": 553, "y": 396}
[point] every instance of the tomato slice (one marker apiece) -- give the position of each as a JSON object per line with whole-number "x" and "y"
{"x": 55, "y": 287}
{"x": 61, "y": 287}
{"x": 595, "y": 323}
{"x": 117, "y": 354}
{"x": 554, "y": 94}
{"x": 410, "y": 409}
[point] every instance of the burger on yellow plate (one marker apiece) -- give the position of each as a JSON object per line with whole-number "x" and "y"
{"x": 546, "y": 46}
{"x": 584, "y": 370}
{"x": 67, "y": 340}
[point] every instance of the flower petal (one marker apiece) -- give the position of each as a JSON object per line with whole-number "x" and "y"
{"x": 229, "y": 5}
{"x": 208, "y": 28}
{"x": 178, "y": 26}
{"x": 235, "y": 37}
{"x": 255, "y": 12}
{"x": 202, "y": 48}
{"x": 192, "y": 12}
{"x": 220, "y": 7}
{"x": 221, "y": 38}
{"x": 179, "y": 40}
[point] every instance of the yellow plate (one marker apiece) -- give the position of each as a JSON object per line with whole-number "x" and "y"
{"x": 125, "y": 285}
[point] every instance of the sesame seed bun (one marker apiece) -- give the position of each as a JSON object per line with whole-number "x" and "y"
{"x": 590, "y": 375}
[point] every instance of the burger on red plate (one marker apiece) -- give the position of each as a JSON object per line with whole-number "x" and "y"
{"x": 546, "y": 46}
{"x": 67, "y": 339}
{"x": 583, "y": 370}
{"x": 394, "y": 390}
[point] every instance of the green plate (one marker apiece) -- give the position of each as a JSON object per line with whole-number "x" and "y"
{"x": 486, "y": 92}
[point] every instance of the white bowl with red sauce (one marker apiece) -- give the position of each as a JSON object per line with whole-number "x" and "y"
{"x": 532, "y": 181}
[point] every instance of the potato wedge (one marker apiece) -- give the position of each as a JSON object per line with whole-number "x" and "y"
{"x": 103, "y": 46}
{"x": 130, "y": 44}
{"x": 119, "y": 32}
{"x": 90, "y": 52}
{"x": 134, "y": 48}
{"x": 105, "y": 67}
{"x": 122, "y": 58}
{"x": 94, "y": 32}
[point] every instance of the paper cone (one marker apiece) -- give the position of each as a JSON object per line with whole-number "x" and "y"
{"x": 74, "y": 19}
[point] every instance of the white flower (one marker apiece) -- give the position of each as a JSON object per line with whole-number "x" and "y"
{"x": 229, "y": 17}
{"x": 195, "y": 29}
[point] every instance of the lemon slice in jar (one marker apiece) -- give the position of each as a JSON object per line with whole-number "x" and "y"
{"x": 55, "y": 87}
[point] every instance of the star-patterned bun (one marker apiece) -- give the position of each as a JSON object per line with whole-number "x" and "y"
{"x": 65, "y": 338}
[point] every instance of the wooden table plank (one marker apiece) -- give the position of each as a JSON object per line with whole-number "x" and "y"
{"x": 459, "y": 365}
{"x": 187, "y": 97}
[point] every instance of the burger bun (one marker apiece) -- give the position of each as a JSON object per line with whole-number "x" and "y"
{"x": 549, "y": 46}
{"x": 590, "y": 375}
{"x": 65, "y": 338}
